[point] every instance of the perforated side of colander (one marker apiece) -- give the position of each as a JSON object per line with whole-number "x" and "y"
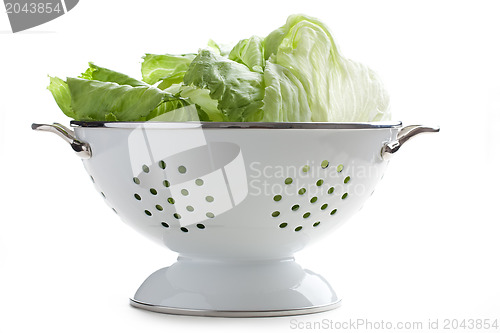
{"x": 187, "y": 190}
{"x": 311, "y": 198}
{"x": 192, "y": 199}
{"x": 167, "y": 193}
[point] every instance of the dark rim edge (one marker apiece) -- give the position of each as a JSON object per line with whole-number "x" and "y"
{"x": 244, "y": 125}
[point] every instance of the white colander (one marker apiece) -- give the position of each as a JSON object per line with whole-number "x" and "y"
{"x": 236, "y": 201}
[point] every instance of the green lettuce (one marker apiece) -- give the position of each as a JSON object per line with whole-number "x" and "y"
{"x": 238, "y": 91}
{"x": 201, "y": 98}
{"x": 97, "y": 73}
{"x": 295, "y": 74}
{"x": 338, "y": 89}
{"x": 285, "y": 98}
{"x": 249, "y": 52}
{"x": 101, "y": 94}
{"x": 165, "y": 68}
{"x": 96, "y": 100}
{"x": 60, "y": 91}
{"x": 219, "y": 49}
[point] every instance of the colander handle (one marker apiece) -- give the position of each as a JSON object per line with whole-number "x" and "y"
{"x": 404, "y": 135}
{"x": 82, "y": 149}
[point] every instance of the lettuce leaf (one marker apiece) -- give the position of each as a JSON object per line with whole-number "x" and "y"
{"x": 285, "y": 98}
{"x": 338, "y": 89}
{"x": 249, "y": 52}
{"x": 97, "y": 73}
{"x": 219, "y": 49}
{"x": 96, "y": 100}
{"x": 189, "y": 112}
{"x": 295, "y": 74}
{"x": 165, "y": 68}
{"x": 60, "y": 91}
{"x": 238, "y": 91}
{"x": 201, "y": 98}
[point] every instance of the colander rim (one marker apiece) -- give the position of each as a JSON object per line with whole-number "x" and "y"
{"x": 238, "y": 125}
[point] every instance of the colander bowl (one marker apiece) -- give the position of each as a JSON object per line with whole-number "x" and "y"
{"x": 236, "y": 201}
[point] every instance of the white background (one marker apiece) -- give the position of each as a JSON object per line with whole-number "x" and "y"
{"x": 425, "y": 246}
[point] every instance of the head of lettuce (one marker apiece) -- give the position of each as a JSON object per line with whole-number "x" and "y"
{"x": 295, "y": 74}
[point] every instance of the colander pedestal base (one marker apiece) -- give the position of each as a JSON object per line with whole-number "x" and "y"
{"x": 235, "y": 289}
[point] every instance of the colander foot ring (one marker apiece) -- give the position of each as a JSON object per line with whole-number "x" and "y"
{"x": 234, "y": 314}
{"x": 257, "y": 288}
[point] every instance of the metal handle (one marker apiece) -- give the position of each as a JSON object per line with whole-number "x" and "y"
{"x": 404, "y": 135}
{"x": 82, "y": 149}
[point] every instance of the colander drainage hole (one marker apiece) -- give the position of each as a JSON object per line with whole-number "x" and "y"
{"x": 333, "y": 211}
{"x": 190, "y": 208}
{"x": 302, "y": 191}
{"x": 200, "y": 226}
{"x": 148, "y": 213}
{"x": 199, "y": 182}
{"x": 92, "y": 179}
{"x": 209, "y": 198}
{"x": 306, "y": 215}
{"x": 165, "y": 224}
{"x": 153, "y": 191}
{"x": 295, "y": 207}
{"x": 160, "y": 208}
{"x": 137, "y": 196}
{"x": 166, "y": 183}
{"x": 184, "y": 192}
{"x": 177, "y": 216}
{"x": 320, "y": 182}
{"x": 330, "y": 190}
{"x": 114, "y": 210}
{"x": 275, "y": 214}
{"x": 340, "y": 168}
{"x": 288, "y": 181}
{"x": 325, "y": 164}
{"x": 184, "y": 229}
{"x": 162, "y": 164}
{"x": 347, "y": 179}
{"x": 344, "y": 195}
{"x": 305, "y": 169}
{"x": 324, "y": 206}
{"x": 136, "y": 180}
{"x": 298, "y": 228}
{"x": 313, "y": 199}
{"x": 316, "y": 224}
{"x": 210, "y": 215}
{"x": 182, "y": 169}
{"x": 103, "y": 195}
{"x": 145, "y": 168}
{"x": 171, "y": 201}
{"x": 283, "y": 225}
{"x": 277, "y": 197}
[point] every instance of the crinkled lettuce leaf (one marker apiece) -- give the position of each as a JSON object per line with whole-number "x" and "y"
{"x": 338, "y": 89}
{"x": 285, "y": 98}
{"x": 238, "y": 90}
{"x": 189, "y": 112}
{"x": 169, "y": 70}
{"x": 165, "y": 68}
{"x": 97, "y": 73}
{"x": 219, "y": 49}
{"x": 201, "y": 98}
{"x": 249, "y": 52}
{"x": 60, "y": 91}
{"x": 100, "y": 94}
{"x": 96, "y": 100}
{"x": 294, "y": 74}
